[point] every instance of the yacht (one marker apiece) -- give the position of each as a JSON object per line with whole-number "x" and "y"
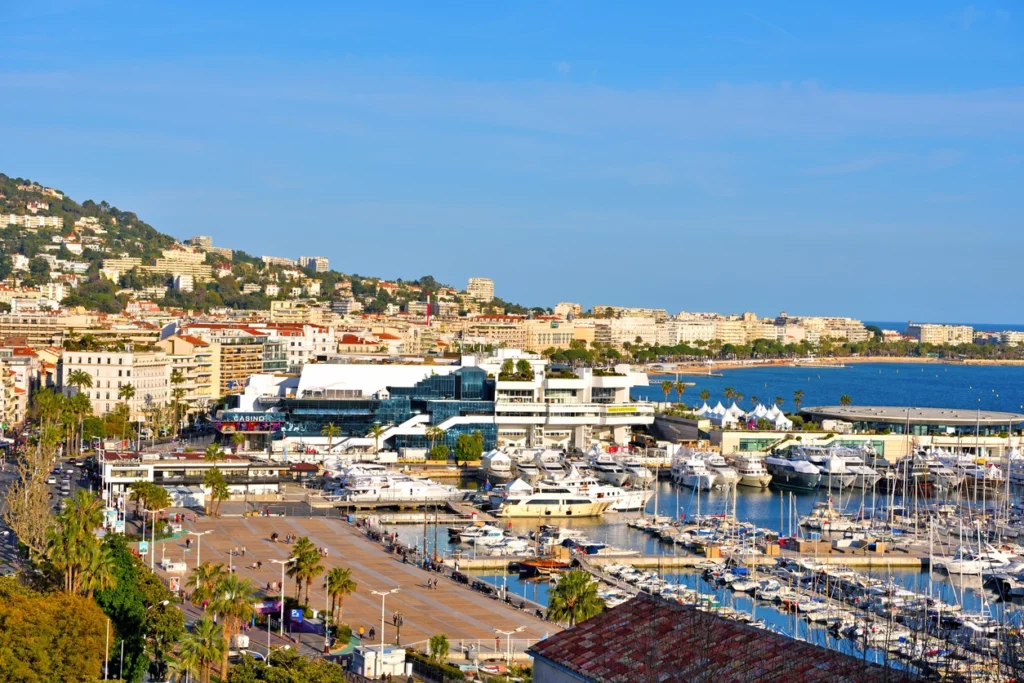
{"x": 924, "y": 470}
{"x": 609, "y": 470}
{"x": 640, "y": 476}
{"x": 751, "y": 471}
{"x": 853, "y": 458}
{"x": 725, "y": 476}
{"x": 694, "y": 474}
{"x": 793, "y": 474}
{"x": 988, "y": 477}
{"x": 825, "y": 518}
{"x": 497, "y": 467}
{"x": 397, "y": 488}
{"x": 524, "y": 467}
{"x": 969, "y": 561}
{"x": 832, "y": 467}
{"x": 550, "y": 464}
{"x": 622, "y": 500}
{"x": 481, "y": 535}
{"x": 553, "y": 502}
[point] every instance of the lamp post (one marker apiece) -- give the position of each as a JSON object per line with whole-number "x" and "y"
{"x": 383, "y": 595}
{"x": 199, "y": 543}
{"x": 282, "y": 563}
{"x": 152, "y": 541}
{"x": 508, "y": 642}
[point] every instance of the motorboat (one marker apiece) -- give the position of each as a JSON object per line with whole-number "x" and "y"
{"x": 640, "y": 476}
{"x": 826, "y": 519}
{"x": 524, "y": 467}
{"x": 853, "y": 458}
{"x": 550, "y": 464}
{"x": 693, "y": 473}
{"x": 622, "y": 500}
{"x": 751, "y": 471}
{"x": 397, "y": 488}
{"x": 725, "y": 475}
{"x": 497, "y": 467}
{"x": 552, "y": 502}
{"x": 608, "y": 470}
{"x": 482, "y": 535}
{"x": 833, "y": 468}
{"x": 800, "y": 475}
{"x": 970, "y": 561}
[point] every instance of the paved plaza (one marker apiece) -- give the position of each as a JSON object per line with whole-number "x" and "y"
{"x": 453, "y": 609}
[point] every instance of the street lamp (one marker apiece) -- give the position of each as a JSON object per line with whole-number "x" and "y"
{"x": 282, "y": 563}
{"x": 383, "y": 595}
{"x": 508, "y": 642}
{"x": 152, "y": 542}
{"x": 199, "y": 543}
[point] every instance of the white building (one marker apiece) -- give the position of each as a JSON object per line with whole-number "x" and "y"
{"x": 317, "y": 263}
{"x": 149, "y": 373}
{"x": 184, "y": 283}
{"x": 480, "y": 289}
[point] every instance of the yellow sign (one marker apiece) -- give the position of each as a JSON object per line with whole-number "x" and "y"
{"x": 622, "y": 409}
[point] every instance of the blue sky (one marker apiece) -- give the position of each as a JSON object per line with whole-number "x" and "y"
{"x": 865, "y": 160}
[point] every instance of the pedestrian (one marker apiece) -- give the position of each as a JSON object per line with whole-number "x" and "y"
{"x": 373, "y": 632}
{"x": 243, "y": 551}
{"x": 361, "y": 631}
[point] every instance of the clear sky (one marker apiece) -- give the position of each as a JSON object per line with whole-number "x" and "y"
{"x": 861, "y": 159}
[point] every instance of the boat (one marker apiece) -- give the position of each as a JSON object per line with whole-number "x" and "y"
{"x": 497, "y": 467}
{"x": 725, "y": 476}
{"x": 486, "y": 535}
{"x": 832, "y": 467}
{"x": 751, "y": 471}
{"x": 524, "y": 467}
{"x": 397, "y": 488}
{"x": 693, "y": 473}
{"x": 542, "y": 567}
{"x": 622, "y": 499}
{"x": 969, "y": 561}
{"x": 608, "y": 470}
{"x": 640, "y": 476}
{"x": 854, "y": 459}
{"x": 800, "y": 475}
{"x": 550, "y": 464}
{"x": 552, "y": 502}
{"x": 825, "y": 518}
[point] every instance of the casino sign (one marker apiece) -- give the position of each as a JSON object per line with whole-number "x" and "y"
{"x": 251, "y": 423}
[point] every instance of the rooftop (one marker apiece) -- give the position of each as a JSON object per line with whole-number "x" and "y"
{"x": 653, "y": 639}
{"x": 900, "y": 415}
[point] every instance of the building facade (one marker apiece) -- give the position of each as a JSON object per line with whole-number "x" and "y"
{"x": 149, "y": 373}
{"x": 480, "y": 289}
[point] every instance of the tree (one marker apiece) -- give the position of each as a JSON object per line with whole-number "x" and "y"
{"x": 219, "y": 492}
{"x": 440, "y": 452}
{"x": 201, "y": 648}
{"x": 232, "y": 603}
{"x": 705, "y": 395}
{"x": 238, "y": 440}
{"x": 434, "y": 433}
{"x": 165, "y": 627}
{"x": 753, "y": 401}
{"x": 779, "y": 401}
{"x": 331, "y": 431}
{"x": 126, "y": 393}
{"x": 177, "y": 393}
{"x": 798, "y": 399}
{"x": 738, "y": 397}
{"x": 308, "y": 565}
{"x": 339, "y": 585}
{"x": 845, "y": 400}
{"x": 468, "y": 448}
{"x": 49, "y": 638}
{"x": 438, "y": 648}
{"x": 80, "y": 379}
{"x": 680, "y": 390}
{"x": 213, "y": 452}
{"x": 574, "y": 598}
{"x": 523, "y": 369}
{"x": 202, "y": 582}
{"x": 376, "y": 433}
{"x": 729, "y": 393}
{"x": 666, "y": 388}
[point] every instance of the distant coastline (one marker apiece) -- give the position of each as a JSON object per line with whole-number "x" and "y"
{"x": 699, "y": 369}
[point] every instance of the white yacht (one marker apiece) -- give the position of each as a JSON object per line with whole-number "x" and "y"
{"x": 833, "y": 468}
{"x": 497, "y": 467}
{"x": 622, "y": 499}
{"x": 486, "y": 535}
{"x": 924, "y": 468}
{"x": 524, "y": 467}
{"x": 550, "y": 464}
{"x": 751, "y": 471}
{"x": 725, "y": 475}
{"x": 988, "y": 477}
{"x": 640, "y": 476}
{"x": 800, "y": 475}
{"x": 397, "y": 488}
{"x": 607, "y": 469}
{"x": 553, "y": 502}
{"x": 853, "y": 458}
{"x": 693, "y": 473}
{"x": 969, "y": 561}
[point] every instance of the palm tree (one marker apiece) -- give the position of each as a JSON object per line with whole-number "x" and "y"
{"x": 666, "y": 388}
{"x": 574, "y": 598}
{"x": 738, "y": 397}
{"x": 798, "y": 398}
{"x": 78, "y": 407}
{"x": 438, "y": 648}
{"x": 308, "y": 565}
{"x": 376, "y": 433}
{"x": 238, "y": 440}
{"x": 177, "y": 393}
{"x": 202, "y": 582}
{"x": 339, "y": 584}
{"x": 434, "y": 434}
{"x": 98, "y": 571}
{"x": 79, "y": 379}
{"x": 126, "y": 393}
{"x": 331, "y": 431}
{"x": 845, "y": 400}
{"x": 779, "y": 401}
{"x": 705, "y": 395}
{"x": 140, "y": 490}
{"x": 729, "y": 393}
{"x": 201, "y": 648}
{"x": 680, "y": 390}
{"x": 214, "y": 480}
{"x": 213, "y": 452}
{"x": 233, "y": 600}
{"x": 753, "y": 401}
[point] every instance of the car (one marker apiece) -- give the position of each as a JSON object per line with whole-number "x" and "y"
{"x": 51, "y": 480}
{"x": 65, "y": 492}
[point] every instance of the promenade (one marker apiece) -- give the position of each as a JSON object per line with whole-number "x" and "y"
{"x": 452, "y": 609}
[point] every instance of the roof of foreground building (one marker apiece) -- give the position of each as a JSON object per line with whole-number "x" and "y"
{"x": 653, "y": 639}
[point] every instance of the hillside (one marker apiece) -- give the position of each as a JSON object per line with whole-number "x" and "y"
{"x": 104, "y": 231}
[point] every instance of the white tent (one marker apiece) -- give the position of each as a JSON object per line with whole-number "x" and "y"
{"x": 703, "y": 410}
{"x": 735, "y": 410}
{"x": 718, "y": 409}
{"x": 774, "y": 412}
{"x": 758, "y": 412}
{"x": 782, "y": 422}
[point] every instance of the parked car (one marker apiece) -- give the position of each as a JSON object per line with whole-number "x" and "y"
{"x": 51, "y": 480}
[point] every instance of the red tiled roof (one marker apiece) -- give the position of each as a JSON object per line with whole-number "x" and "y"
{"x": 194, "y": 341}
{"x": 650, "y": 638}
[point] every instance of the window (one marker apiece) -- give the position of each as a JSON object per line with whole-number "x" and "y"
{"x": 119, "y": 374}
{"x": 120, "y": 361}
{"x": 108, "y": 398}
{"x": 108, "y": 361}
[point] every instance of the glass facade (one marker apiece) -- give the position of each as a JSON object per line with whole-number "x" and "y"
{"x": 465, "y": 392}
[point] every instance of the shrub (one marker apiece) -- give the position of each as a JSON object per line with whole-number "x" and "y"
{"x": 423, "y": 664}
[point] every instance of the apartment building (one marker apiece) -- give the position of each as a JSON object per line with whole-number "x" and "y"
{"x": 618, "y": 331}
{"x": 480, "y": 289}
{"x": 318, "y": 263}
{"x": 244, "y": 351}
{"x": 198, "y": 362}
{"x": 828, "y": 327}
{"x": 603, "y": 311}
{"x": 927, "y": 333}
{"x": 302, "y": 342}
{"x": 565, "y": 309}
{"x": 548, "y": 333}
{"x": 347, "y": 306}
{"x": 149, "y": 372}
{"x": 277, "y": 261}
{"x": 32, "y": 222}
{"x": 35, "y": 329}
{"x": 499, "y": 330}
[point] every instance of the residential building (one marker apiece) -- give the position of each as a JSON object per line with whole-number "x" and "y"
{"x": 619, "y": 331}
{"x": 676, "y": 332}
{"x": 19, "y": 262}
{"x": 149, "y": 373}
{"x": 184, "y": 283}
{"x": 604, "y": 311}
{"x": 32, "y": 222}
{"x": 198, "y": 363}
{"x": 35, "y": 329}
{"x": 277, "y": 261}
{"x": 1012, "y": 337}
{"x": 303, "y": 343}
{"x": 499, "y": 330}
{"x": 566, "y": 310}
{"x": 244, "y": 352}
{"x": 927, "y": 333}
{"x": 651, "y": 638}
{"x": 272, "y": 290}
{"x": 347, "y": 306}
{"x": 548, "y": 332}
{"x": 480, "y": 289}
{"x": 828, "y": 327}
{"x": 201, "y": 241}
{"x": 317, "y": 263}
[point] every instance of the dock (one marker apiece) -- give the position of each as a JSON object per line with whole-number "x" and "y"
{"x": 457, "y": 510}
